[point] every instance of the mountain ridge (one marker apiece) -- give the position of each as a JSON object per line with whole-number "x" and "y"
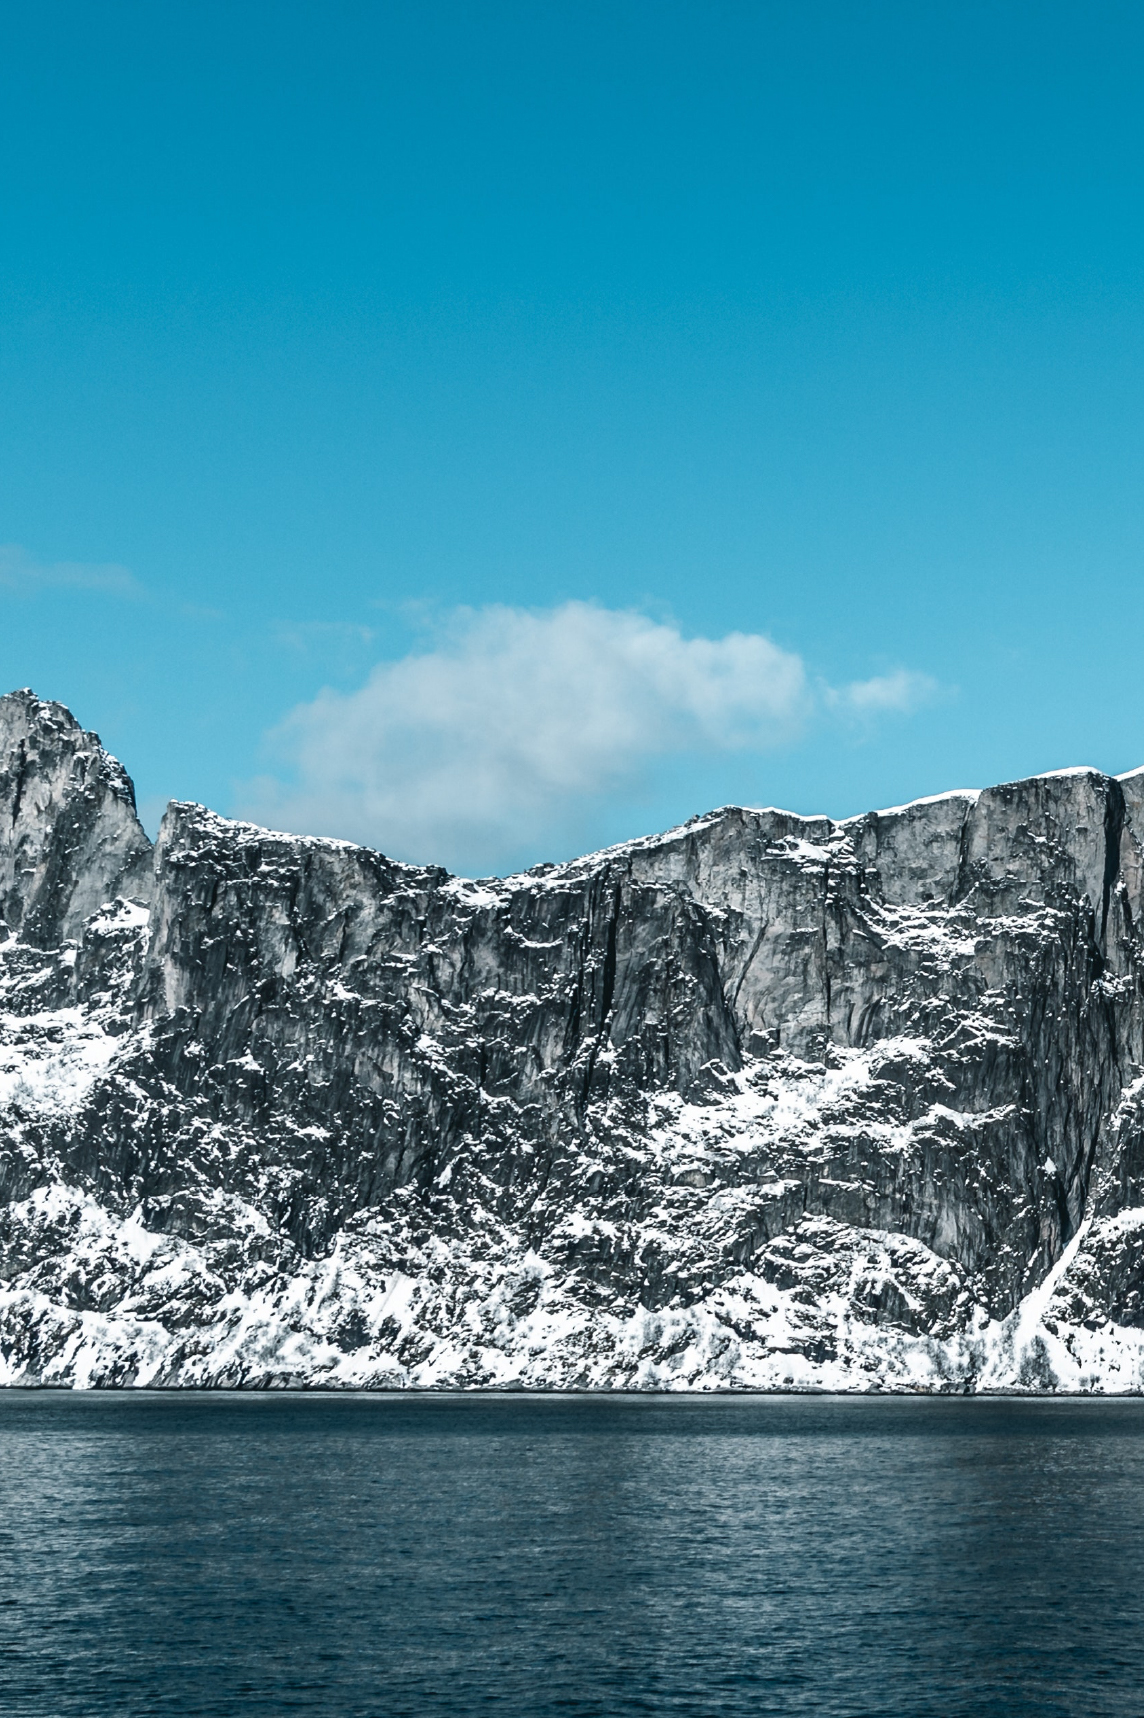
{"x": 764, "y": 1101}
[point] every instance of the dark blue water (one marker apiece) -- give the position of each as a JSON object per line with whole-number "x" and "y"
{"x": 539, "y": 1556}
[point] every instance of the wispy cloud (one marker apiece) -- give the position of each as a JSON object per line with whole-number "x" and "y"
{"x": 513, "y": 721}
{"x": 25, "y": 576}
{"x": 901, "y": 692}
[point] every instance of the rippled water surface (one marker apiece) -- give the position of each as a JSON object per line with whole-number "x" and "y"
{"x": 522, "y": 1556}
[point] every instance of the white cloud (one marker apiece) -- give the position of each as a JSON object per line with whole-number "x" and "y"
{"x": 25, "y": 576}
{"x": 499, "y": 735}
{"x": 903, "y": 691}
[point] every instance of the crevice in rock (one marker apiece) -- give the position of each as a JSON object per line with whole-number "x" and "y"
{"x": 1114, "y": 813}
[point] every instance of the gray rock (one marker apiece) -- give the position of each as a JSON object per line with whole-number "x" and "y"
{"x": 70, "y": 838}
{"x": 762, "y": 1102}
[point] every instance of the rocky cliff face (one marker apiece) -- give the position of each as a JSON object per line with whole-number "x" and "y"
{"x": 762, "y": 1102}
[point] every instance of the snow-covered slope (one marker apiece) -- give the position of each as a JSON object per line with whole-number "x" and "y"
{"x": 764, "y": 1102}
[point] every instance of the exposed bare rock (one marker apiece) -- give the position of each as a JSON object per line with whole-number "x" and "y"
{"x": 763, "y": 1102}
{"x": 69, "y": 836}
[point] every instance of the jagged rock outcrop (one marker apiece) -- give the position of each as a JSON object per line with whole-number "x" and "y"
{"x": 69, "y": 837}
{"x": 766, "y": 1101}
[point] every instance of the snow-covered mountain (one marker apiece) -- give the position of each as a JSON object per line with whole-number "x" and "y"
{"x": 764, "y": 1102}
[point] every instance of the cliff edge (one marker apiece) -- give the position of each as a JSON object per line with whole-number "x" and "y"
{"x": 763, "y": 1102}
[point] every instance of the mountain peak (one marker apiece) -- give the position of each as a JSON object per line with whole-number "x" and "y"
{"x": 760, "y": 1102}
{"x": 72, "y": 838}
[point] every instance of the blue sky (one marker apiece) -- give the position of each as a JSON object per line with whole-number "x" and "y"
{"x": 493, "y": 430}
